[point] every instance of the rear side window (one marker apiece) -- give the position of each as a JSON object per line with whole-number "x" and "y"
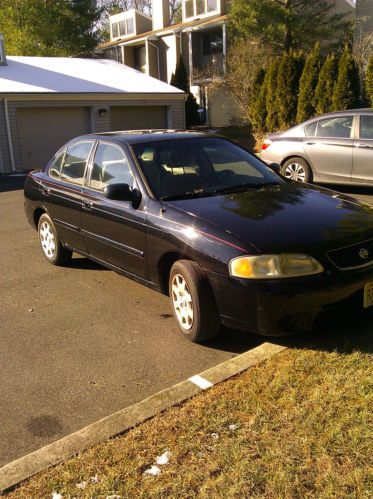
{"x": 110, "y": 166}
{"x": 366, "y": 127}
{"x": 55, "y": 168}
{"x": 338, "y": 127}
{"x": 310, "y": 129}
{"x": 75, "y": 162}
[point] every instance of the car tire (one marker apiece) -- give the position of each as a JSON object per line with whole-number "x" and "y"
{"x": 297, "y": 169}
{"x": 192, "y": 302}
{"x": 50, "y": 243}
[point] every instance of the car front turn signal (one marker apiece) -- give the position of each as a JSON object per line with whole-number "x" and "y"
{"x": 274, "y": 266}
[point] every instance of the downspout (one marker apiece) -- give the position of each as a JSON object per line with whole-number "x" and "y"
{"x": 10, "y": 144}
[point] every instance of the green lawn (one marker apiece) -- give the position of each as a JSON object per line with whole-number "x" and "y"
{"x": 296, "y": 426}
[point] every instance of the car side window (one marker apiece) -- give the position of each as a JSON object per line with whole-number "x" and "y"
{"x": 75, "y": 162}
{"x": 310, "y": 129}
{"x": 110, "y": 166}
{"x": 338, "y": 127}
{"x": 55, "y": 167}
{"x": 366, "y": 126}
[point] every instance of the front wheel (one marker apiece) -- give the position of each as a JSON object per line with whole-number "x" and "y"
{"x": 50, "y": 244}
{"x": 297, "y": 169}
{"x": 192, "y": 302}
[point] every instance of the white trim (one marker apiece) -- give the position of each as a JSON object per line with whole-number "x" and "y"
{"x": 10, "y": 143}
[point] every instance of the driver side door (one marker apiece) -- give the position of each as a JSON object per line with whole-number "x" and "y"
{"x": 114, "y": 231}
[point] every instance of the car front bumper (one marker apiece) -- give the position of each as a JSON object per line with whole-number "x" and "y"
{"x": 289, "y": 306}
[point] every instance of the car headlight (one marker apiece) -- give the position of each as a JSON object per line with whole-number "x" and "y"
{"x": 274, "y": 266}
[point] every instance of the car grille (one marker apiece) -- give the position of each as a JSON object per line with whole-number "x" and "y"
{"x": 358, "y": 255}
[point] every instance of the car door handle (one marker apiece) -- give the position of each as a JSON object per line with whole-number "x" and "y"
{"x": 87, "y": 205}
{"x": 363, "y": 146}
{"x": 310, "y": 143}
{"x": 45, "y": 190}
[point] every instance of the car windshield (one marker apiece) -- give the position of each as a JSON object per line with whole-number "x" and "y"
{"x": 199, "y": 167}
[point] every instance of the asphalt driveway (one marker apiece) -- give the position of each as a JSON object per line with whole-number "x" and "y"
{"x": 82, "y": 342}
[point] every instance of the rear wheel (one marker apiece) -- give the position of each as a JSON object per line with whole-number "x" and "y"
{"x": 297, "y": 169}
{"x": 50, "y": 244}
{"x": 192, "y": 302}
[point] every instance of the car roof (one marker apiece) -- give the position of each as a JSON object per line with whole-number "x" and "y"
{"x": 130, "y": 137}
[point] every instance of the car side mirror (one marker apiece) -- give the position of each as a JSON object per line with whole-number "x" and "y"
{"x": 123, "y": 192}
{"x": 275, "y": 167}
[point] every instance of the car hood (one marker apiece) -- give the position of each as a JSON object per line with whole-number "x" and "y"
{"x": 287, "y": 217}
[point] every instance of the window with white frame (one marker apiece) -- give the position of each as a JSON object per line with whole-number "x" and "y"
{"x": 122, "y": 27}
{"x": 198, "y": 8}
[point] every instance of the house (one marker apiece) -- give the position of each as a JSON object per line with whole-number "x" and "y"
{"x": 46, "y": 101}
{"x": 153, "y": 46}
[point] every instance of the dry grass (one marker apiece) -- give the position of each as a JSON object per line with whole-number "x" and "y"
{"x": 303, "y": 429}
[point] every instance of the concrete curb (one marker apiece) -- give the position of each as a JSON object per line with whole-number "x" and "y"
{"x": 15, "y": 472}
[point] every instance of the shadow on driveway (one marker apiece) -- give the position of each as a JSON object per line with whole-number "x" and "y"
{"x": 11, "y": 182}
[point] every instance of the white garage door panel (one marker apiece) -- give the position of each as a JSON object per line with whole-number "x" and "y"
{"x": 138, "y": 117}
{"x": 42, "y": 131}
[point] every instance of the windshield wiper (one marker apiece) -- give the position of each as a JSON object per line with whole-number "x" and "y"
{"x": 190, "y": 194}
{"x": 243, "y": 187}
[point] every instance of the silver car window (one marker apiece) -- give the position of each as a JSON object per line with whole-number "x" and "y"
{"x": 366, "y": 126}
{"x": 310, "y": 129}
{"x": 338, "y": 127}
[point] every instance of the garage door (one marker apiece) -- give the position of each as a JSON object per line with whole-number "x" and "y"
{"x": 138, "y": 117}
{"x": 44, "y": 130}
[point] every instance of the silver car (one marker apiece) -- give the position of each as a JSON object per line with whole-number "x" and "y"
{"x": 334, "y": 148}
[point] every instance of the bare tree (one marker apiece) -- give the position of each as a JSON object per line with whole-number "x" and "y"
{"x": 245, "y": 58}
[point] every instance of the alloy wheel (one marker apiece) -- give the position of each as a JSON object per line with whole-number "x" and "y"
{"x": 182, "y": 302}
{"x": 47, "y": 240}
{"x": 295, "y": 171}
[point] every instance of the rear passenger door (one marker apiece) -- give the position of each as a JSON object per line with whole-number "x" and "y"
{"x": 114, "y": 231}
{"x": 62, "y": 191}
{"x": 330, "y": 149}
{"x": 362, "y": 171}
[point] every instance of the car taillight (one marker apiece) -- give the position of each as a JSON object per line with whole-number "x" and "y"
{"x": 266, "y": 144}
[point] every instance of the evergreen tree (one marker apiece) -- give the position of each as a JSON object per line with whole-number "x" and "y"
{"x": 258, "y": 106}
{"x": 50, "y": 28}
{"x": 285, "y": 25}
{"x": 180, "y": 80}
{"x": 369, "y": 82}
{"x": 307, "y": 86}
{"x": 323, "y": 99}
{"x": 270, "y": 83}
{"x": 347, "y": 89}
{"x": 289, "y": 73}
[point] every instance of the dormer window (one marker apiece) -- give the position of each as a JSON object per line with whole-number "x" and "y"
{"x": 129, "y": 23}
{"x": 200, "y": 8}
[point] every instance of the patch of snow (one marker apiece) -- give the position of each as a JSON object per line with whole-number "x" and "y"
{"x": 233, "y": 427}
{"x": 81, "y": 485}
{"x": 153, "y": 470}
{"x": 57, "y": 495}
{"x": 164, "y": 458}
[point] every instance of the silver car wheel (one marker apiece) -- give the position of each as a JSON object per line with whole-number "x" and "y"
{"x": 295, "y": 171}
{"x": 47, "y": 240}
{"x": 182, "y": 302}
